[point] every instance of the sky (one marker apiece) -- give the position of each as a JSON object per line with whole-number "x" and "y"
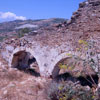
{"x": 37, "y": 9}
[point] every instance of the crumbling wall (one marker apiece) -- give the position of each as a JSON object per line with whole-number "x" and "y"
{"x": 51, "y": 46}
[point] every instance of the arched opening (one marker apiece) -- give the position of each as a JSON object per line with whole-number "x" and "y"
{"x": 57, "y": 68}
{"x": 26, "y": 62}
{"x": 70, "y": 73}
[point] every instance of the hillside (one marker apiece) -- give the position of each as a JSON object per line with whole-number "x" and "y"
{"x": 11, "y": 28}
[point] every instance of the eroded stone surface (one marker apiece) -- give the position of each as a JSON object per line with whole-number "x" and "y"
{"x": 51, "y": 46}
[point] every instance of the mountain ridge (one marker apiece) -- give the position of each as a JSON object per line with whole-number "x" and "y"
{"x": 8, "y": 29}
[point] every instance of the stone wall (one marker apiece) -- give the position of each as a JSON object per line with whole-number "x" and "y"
{"x": 52, "y": 45}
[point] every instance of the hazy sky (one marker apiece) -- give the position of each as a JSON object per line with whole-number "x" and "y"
{"x": 37, "y": 9}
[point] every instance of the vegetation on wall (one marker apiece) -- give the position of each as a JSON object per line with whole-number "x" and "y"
{"x": 88, "y": 58}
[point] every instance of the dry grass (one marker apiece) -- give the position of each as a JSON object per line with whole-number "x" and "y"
{"x": 16, "y": 85}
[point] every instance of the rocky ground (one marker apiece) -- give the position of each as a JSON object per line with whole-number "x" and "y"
{"x": 18, "y": 85}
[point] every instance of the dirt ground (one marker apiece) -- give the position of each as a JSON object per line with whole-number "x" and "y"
{"x": 17, "y": 85}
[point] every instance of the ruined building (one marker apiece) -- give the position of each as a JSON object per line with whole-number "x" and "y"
{"x": 50, "y": 46}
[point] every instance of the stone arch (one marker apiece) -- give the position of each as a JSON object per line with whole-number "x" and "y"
{"x": 90, "y": 78}
{"x": 20, "y": 59}
{"x": 57, "y": 69}
{"x": 23, "y": 59}
{"x": 60, "y": 58}
{"x": 78, "y": 67}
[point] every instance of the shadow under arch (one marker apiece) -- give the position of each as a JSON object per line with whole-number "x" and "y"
{"x": 57, "y": 70}
{"x": 67, "y": 75}
{"x": 25, "y": 61}
{"x": 58, "y": 59}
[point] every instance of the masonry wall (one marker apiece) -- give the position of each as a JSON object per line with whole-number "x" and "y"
{"x": 48, "y": 51}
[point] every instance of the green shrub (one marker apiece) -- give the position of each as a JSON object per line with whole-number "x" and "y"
{"x": 69, "y": 91}
{"x": 23, "y": 31}
{"x": 1, "y": 38}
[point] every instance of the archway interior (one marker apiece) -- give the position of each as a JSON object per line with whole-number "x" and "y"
{"x": 61, "y": 66}
{"x": 24, "y": 61}
{"x": 66, "y": 74}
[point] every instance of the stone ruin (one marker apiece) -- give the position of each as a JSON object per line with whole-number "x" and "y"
{"x": 50, "y": 46}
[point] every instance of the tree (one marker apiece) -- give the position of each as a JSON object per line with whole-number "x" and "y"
{"x": 23, "y": 31}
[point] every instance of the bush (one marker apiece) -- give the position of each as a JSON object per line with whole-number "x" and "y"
{"x": 23, "y": 31}
{"x": 69, "y": 91}
{"x": 2, "y": 38}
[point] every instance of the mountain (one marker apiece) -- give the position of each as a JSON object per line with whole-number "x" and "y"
{"x": 11, "y": 28}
